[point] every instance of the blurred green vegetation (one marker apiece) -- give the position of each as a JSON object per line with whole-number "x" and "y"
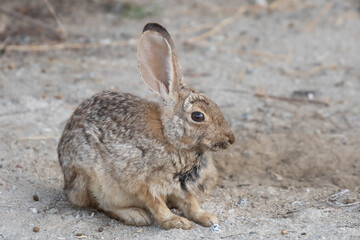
{"x": 134, "y": 11}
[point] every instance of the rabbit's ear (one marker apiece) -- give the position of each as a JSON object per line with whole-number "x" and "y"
{"x": 158, "y": 62}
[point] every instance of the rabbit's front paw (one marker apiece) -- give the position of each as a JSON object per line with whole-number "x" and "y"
{"x": 205, "y": 219}
{"x": 176, "y": 222}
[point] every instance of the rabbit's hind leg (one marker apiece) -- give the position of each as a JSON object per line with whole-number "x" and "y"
{"x": 76, "y": 189}
{"x": 120, "y": 205}
{"x": 130, "y": 216}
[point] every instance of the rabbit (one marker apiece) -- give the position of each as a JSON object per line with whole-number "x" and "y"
{"x": 132, "y": 158}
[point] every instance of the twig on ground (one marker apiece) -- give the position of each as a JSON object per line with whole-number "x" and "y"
{"x": 221, "y": 24}
{"x": 88, "y": 63}
{"x": 4, "y": 44}
{"x": 61, "y": 29}
{"x": 275, "y": 4}
{"x": 199, "y": 27}
{"x": 332, "y": 199}
{"x": 233, "y": 90}
{"x": 242, "y": 73}
{"x": 288, "y": 5}
{"x": 38, "y": 138}
{"x": 287, "y": 99}
{"x": 191, "y": 75}
{"x": 14, "y": 113}
{"x": 29, "y": 20}
{"x": 310, "y": 26}
{"x": 312, "y": 71}
{"x": 227, "y": 105}
{"x": 63, "y": 46}
{"x": 339, "y": 20}
{"x": 2, "y": 182}
{"x": 231, "y": 236}
{"x": 266, "y": 55}
{"x": 240, "y": 76}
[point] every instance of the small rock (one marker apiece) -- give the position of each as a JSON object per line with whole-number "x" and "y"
{"x": 36, "y": 198}
{"x": 245, "y": 116}
{"x": 304, "y": 233}
{"x": 78, "y": 234}
{"x": 100, "y": 229}
{"x": 275, "y": 176}
{"x": 284, "y": 232}
{"x": 309, "y": 94}
{"x": 215, "y": 228}
{"x": 262, "y": 3}
{"x": 246, "y": 154}
{"x": 52, "y": 210}
{"x": 349, "y": 200}
{"x": 33, "y": 210}
{"x": 243, "y": 203}
{"x": 11, "y": 66}
{"x": 36, "y": 229}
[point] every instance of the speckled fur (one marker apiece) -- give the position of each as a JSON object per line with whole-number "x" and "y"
{"x": 126, "y": 155}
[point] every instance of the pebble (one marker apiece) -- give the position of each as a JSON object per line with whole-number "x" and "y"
{"x": 243, "y": 203}
{"x": 284, "y": 232}
{"x": 78, "y": 234}
{"x": 36, "y": 229}
{"x": 275, "y": 176}
{"x": 36, "y": 198}
{"x": 246, "y": 154}
{"x": 11, "y": 66}
{"x": 33, "y": 210}
{"x": 349, "y": 200}
{"x": 100, "y": 229}
{"x": 215, "y": 228}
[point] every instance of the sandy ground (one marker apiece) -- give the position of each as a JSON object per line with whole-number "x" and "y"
{"x": 295, "y": 147}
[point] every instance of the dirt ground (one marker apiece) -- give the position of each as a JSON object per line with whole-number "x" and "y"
{"x": 285, "y": 73}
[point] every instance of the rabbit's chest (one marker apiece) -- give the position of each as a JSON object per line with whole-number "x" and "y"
{"x": 193, "y": 178}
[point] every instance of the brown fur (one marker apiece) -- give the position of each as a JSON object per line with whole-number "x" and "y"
{"x": 128, "y": 156}
{"x": 154, "y": 127}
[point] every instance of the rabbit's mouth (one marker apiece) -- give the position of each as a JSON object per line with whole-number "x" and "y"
{"x": 219, "y": 146}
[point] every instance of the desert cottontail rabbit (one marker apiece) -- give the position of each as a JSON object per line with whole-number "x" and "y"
{"x": 127, "y": 156}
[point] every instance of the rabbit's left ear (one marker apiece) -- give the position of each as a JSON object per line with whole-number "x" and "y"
{"x": 158, "y": 62}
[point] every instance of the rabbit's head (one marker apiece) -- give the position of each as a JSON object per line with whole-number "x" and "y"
{"x": 190, "y": 120}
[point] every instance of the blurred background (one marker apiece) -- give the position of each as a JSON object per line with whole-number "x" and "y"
{"x": 285, "y": 73}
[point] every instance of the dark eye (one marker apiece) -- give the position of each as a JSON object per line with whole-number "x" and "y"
{"x": 197, "y": 116}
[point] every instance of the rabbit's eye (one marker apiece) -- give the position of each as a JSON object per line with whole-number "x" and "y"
{"x": 197, "y": 116}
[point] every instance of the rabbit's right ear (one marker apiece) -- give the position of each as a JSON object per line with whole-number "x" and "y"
{"x": 158, "y": 62}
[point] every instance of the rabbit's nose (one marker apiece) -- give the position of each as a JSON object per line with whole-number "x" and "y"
{"x": 231, "y": 137}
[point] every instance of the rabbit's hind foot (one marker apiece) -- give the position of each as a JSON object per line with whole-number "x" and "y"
{"x": 130, "y": 216}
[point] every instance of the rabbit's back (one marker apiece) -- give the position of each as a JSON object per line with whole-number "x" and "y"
{"x": 110, "y": 128}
